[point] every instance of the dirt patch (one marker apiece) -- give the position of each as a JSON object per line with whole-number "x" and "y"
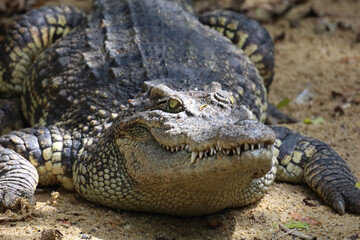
{"x": 313, "y": 55}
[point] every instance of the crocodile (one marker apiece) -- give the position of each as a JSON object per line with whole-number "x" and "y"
{"x": 142, "y": 105}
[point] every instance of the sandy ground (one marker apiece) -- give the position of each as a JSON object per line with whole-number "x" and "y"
{"x": 327, "y": 64}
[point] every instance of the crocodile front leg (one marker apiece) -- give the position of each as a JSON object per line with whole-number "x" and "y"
{"x": 25, "y": 154}
{"x": 304, "y": 159}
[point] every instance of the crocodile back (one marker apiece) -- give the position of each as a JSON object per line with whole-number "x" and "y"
{"x": 92, "y": 73}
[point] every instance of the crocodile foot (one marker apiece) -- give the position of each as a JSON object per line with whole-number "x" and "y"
{"x": 344, "y": 197}
{"x": 18, "y": 180}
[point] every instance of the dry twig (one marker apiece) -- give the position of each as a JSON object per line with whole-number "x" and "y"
{"x": 295, "y": 233}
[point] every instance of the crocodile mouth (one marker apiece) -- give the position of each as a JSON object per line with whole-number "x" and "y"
{"x": 216, "y": 149}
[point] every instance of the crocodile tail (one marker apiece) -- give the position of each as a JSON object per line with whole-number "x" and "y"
{"x": 28, "y": 37}
{"x": 248, "y": 35}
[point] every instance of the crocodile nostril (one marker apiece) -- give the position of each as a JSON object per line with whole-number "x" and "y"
{"x": 221, "y": 98}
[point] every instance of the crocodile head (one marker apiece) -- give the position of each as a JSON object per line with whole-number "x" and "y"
{"x": 189, "y": 146}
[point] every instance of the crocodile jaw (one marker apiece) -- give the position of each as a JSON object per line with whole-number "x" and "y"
{"x": 153, "y": 164}
{"x": 174, "y": 185}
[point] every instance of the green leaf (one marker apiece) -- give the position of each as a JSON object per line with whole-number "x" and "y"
{"x": 318, "y": 120}
{"x": 296, "y": 224}
{"x": 283, "y": 103}
{"x": 315, "y": 121}
{"x": 357, "y": 185}
{"x": 308, "y": 121}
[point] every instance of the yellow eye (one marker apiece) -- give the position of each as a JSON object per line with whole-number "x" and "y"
{"x": 174, "y": 103}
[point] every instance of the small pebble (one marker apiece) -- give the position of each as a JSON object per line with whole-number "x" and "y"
{"x": 85, "y": 236}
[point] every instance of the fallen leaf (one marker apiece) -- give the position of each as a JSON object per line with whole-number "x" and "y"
{"x": 297, "y": 224}
{"x": 214, "y": 223}
{"x": 353, "y": 59}
{"x": 283, "y": 103}
{"x": 318, "y": 120}
{"x": 357, "y": 185}
{"x": 308, "y": 121}
{"x": 315, "y": 121}
{"x": 310, "y": 221}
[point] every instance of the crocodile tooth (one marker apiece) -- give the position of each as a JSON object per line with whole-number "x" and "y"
{"x": 238, "y": 150}
{"x": 234, "y": 151}
{"x": 201, "y": 154}
{"x": 187, "y": 147}
{"x": 212, "y": 151}
{"x": 218, "y": 147}
{"x": 227, "y": 151}
{"x": 205, "y": 154}
{"x": 193, "y": 157}
{"x": 172, "y": 149}
{"x": 182, "y": 146}
{"x": 177, "y": 148}
{"x": 246, "y": 146}
{"x": 167, "y": 148}
{"x": 252, "y": 146}
{"x": 260, "y": 145}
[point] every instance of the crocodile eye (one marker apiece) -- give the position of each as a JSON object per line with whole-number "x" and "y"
{"x": 169, "y": 104}
{"x": 174, "y": 103}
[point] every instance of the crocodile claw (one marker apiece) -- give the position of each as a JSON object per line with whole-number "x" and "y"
{"x": 15, "y": 200}
{"x": 18, "y": 180}
{"x": 348, "y": 198}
